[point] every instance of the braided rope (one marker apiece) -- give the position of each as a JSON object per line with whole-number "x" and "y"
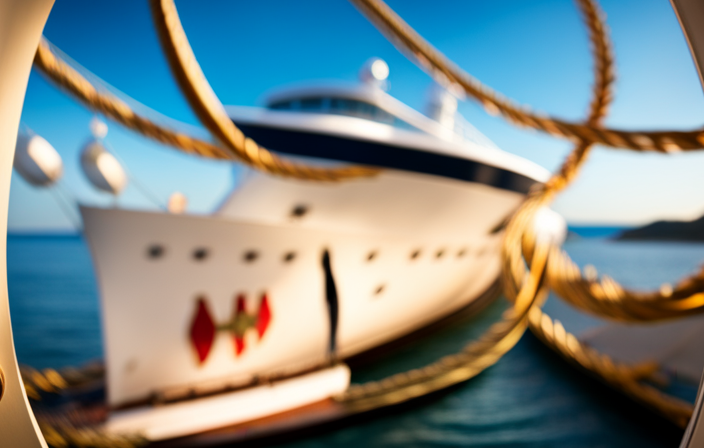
{"x": 607, "y": 298}
{"x": 448, "y": 73}
{"x": 518, "y": 283}
{"x": 523, "y": 286}
{"x": 625, "y": 378}
{"x": 112, "y": 107}
{"x": 60, "y": 432}
{"x": 211, "y": 113}
{"x": 521, "y": 241}
{"x": 53, "y": 381}
{"x": 459, "y": 367}
{"x": 66, "y": 77}
{"x": 70, "y": 429}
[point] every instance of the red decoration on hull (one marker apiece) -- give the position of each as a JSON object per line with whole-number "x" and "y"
{"x": 203, "y": 328}
{"x": 202, "y": 331}
{"x": 239, "y": 345}
{"x": 240, "y": 322}
{"x": 264, "y": 317}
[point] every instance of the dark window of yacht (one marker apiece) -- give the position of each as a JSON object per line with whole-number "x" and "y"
{"x": 311, "y": 103}
{"x": 353, "y": 108}
{"x": 340, "y": 106}
{"x": 281, "y": 105}
{"x": 343, "y": 106}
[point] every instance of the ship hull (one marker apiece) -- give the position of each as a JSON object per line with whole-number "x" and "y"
{"x": 384, "y": 286}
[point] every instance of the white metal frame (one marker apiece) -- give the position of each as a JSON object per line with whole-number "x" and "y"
{"x": 21, "y": 25}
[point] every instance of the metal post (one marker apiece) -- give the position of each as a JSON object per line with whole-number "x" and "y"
{"x": 691, "y": 16}
{"x": 690, "y": 13}
{"x": 21, "y": 25}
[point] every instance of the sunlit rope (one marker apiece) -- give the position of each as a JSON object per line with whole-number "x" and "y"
{"x": 603, "y": 297}
{"x": 61, "y": 432}
{"x": 521, "y": 240}
{"x": 60, "y": 72}
{"x": 517, "y": 281}
{"x": 525, "y": 287}
{"x": 449, "y": 74}
{"x": 501, "y": 336}
{"x": 112, "y": 107}
{"x": 211, "y": 112}
{"x": 55, "y": 381}
{"x": 607, "y": 298}
{"x": 452, "y": 369}
{"x": 627, "y": 379}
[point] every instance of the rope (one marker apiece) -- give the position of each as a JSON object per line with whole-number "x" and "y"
{"x": 523, "y": 287}
{"x": 459, "y": 367}
{"x": 60, "y": 432}
{"x": 53, "y": 381}
{"x": 112, "y": 107}
{"x": 211, "y": 113}
{"x": 607, "y": 298}
{"x": 527, "y": 288}
{"x": 625, "y": 378}
{"x": 420, "y": 51}
{"x": 521, "y": 241}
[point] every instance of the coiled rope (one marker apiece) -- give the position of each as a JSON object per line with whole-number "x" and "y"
{"x": 607, "y": 298}
{"x": 447, "y": 73}
{"x": 503, "y": 335}
{"x": 459, "y": 367}
{"x": 527, "y": 288}
{"x": 603, "y": 297}
{"x": 521, "y": 240}
{"x": 245, "y": 151}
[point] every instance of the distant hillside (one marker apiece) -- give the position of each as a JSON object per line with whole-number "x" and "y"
{"x": 667, "y": 231}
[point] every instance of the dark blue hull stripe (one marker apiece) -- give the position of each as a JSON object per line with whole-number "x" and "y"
{"x": 360, "y": 152}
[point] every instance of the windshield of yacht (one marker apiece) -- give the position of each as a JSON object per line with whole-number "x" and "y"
{"x": 342, "y": 106}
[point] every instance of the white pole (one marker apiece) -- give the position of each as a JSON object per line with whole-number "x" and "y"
{"x": 691, "y": 16}
{"x": 21, "y": 25}
{"x": 690, "y": 13}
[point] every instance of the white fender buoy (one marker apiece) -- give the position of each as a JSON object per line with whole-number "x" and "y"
{"x": 102, "y": 168}
{"x": 37, "y": 161}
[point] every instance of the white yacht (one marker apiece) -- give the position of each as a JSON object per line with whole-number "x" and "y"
{"x": 287, "y": 275}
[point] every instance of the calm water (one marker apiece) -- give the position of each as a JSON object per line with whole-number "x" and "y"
{"x": 529, "y": 399}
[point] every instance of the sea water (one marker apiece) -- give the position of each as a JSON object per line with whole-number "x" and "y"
{"x": 530, "y": 398}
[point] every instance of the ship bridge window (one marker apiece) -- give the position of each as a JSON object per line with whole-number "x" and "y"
{"x": 343, "y": 106}
{"x": 312, "y": 104}
{"x": 281, "y": 105}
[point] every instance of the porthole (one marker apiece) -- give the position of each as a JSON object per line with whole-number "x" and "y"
{"x": 155, "y": 251}
{"x": 415, "y": 254}
{"x": 439, "y": 253}
{"x": 289, "y": 256}
{"x": 379, "y": 289}
{"x": 371, "y": 255}
{"x": 250, "y": 256}
{"x": 462, "y": 252}
{"x": 200, "y": 254}
{"x": 299, "y": 211}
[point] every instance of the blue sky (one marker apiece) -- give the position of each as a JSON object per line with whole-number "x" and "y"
{"x": 535, "y": 51}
